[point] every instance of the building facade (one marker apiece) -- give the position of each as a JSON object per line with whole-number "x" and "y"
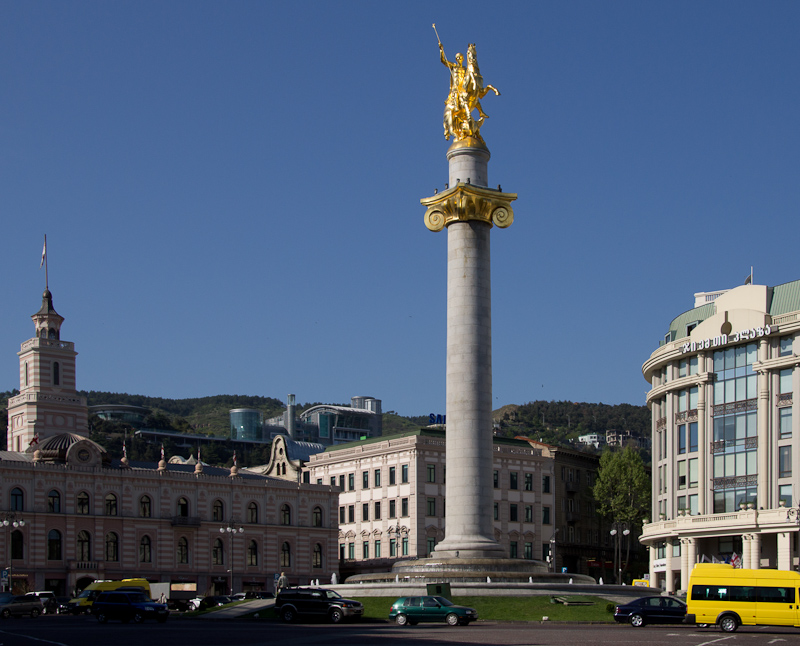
{"x": 726, "y": 433}
{"x": 393, "y": 497}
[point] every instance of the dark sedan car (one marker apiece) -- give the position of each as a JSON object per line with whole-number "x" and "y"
{"x": 651, "y": 610}
{"x": 213, "y": 601}
{"x": 412, "y": 610}
{"x": 127, "y": 606}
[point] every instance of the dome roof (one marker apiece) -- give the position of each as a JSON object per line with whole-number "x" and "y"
{"x": 55, "y": 447}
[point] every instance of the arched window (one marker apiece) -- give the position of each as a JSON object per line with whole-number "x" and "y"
{"x": 218, "y": 553}
{"x": 183, "y": 550}
{"x": 111, "y": 505}
{"x": 252, "y": 553}
{"x": 112, "y": 547}
{"x": 183, "y": 507}
{"x": 53, "y": 545}
{"x": 56, "y": 374}
{"x": 252, "y": 513}
{"x": 84, "y": 545}
{"x": 217, "y": 511}
{"x": 52, "y": 333}
{"x": 316, "y": 517}
{"x": 54, "y": 502}
{"x": 17, "y": 545}
{"x": 316, "y": 561}
{"x": 286, "y": 515}
{"x": 17, "y": 501}
{"x": 286, "y": 555}
{"x": 144, "y": 507}
{"x": 145, "y": 550}
{"x": 82, "y": 500}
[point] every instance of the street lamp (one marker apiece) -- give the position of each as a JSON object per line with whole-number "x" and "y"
{"x": 618, "y": 530}
{"x": 9, "y": 519}
{"x": 553, "y": 550}
{"x": 231, "y": 528}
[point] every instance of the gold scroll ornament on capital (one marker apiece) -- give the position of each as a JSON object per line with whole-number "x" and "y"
{"x": 466, "y": 92}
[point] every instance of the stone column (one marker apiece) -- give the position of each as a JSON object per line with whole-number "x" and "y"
{"x": 703, "y": 453}
{"x": 468, "y": 209}
{"x": 755, "y": 551}
{"x": 692, "y": 549}
{"x": 764, "y": 413}
{"x": 669, "y": 576}
{"x": 784, "y": 551}
{"x": 685, "y": 565}
{"x": 652, "y": 551}
{"x": 746, "y": 548}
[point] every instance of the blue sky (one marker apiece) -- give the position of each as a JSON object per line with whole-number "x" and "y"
{"x": 230, "y": 190}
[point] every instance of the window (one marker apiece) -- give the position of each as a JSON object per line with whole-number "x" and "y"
{"x": 496, "y": 511}
{"x": 785, "y": 421}
{"x": 545, "y": 515}
{"x": 316, "y": 517}
{"x": 392, "y": 475}
{"x": 377, "y": 514}
{"x": 785, "y": 494}
{"x": 351, "y": 513}
{"x": 111, "y": 505}
{"x": 319, "y": 481}
{"x": 528, "y": 513}
{"x": 404, "y": 473}
{"x": 218, "y": 552}
{"x": 546, "y": 484}
{"x": 53, "y": 545}
{"x": 54, "y": 502}
{"x": 316, "y": 558}
{"x": 682, "y": 474}
{"x": 351, "y": 481}
{"x": 56, "y": 374}
{"x": 513, "y": 480}
{"x": 404, "y": 507}
{"x": 528, "y": 551}
{"x": 183, "y": 507}
{"x": 392, "y": 509}
{"x": 341, "y": 551}
{"x": 17, "y": 545}
{"x": 693, "y": 437}
{"x": 286, "y": 555}
{"x": 365, "y": 480}
{"x": 17, "y": 499}
{"x": 145, "y": 507}
{"x": 342, "y": 520}
{"x": 513, "y": 550}
{"x": 512, "y": 513}
{"x": 528, "y": 482}
{"x": 785, "y": 461}
{"x": 351, "y": 551}
{"x": 376, "y": 478}
{"x": 693, "y": 472}
{"x": 682, "y": 438}
{"x": 365, "y": 511}
{"x": 341, "y": 482}
{"x": 377, "y": 549}
{"x": 252, "y": 553}
{"x": 217, "y": 511}
{"x": 112, "y": 547}
{"x": 431, "y": 506}
{"x": 252, "y": 513}
{"x": 431, "y": 544}
{"x": 183, "y": 550}
{"x": 431, "y": 473}
{"x": 365, "y": 550}
{"x": 84, "y": 546}
{"x": 82, "y": 500}
{"x": 392, "y": 547}
{"x": 286, "y": 514}
{"x": 786, "y": 346}
{"x": 145, "y": 550}
{"x": 495, "y": 478}
{"x": 786, "y": 381}
{"x": 333, "y": 481}
{"x": 405, "y": 545}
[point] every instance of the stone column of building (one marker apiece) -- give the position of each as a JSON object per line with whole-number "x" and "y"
{"x": 784, "y": 551}
{"x": 652, "y": 551}
{"x": 686, "y": 566}
{"x": 691, "y": 544}
{"x": 755, "y": 551}
{"x": 762, "y": 492}
{"x": 468, "y": 209}
{"x": 669, "y": 575}
{"x": 746, "y": 547}
{"x": 702, "y": 445}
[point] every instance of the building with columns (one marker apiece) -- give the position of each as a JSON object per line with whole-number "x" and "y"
{"x": 726, "y": 434}
{"x": 76, "y": 515}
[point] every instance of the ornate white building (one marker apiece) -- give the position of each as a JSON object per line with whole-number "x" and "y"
{"x": 726, "y": 433}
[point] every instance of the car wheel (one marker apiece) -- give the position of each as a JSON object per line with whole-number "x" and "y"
{"x": 101, "y": 618}
{"x": 288, "y": 615}
{"x": 138, "y": 618}
{"x": 452, "y": 619}
{"x": 637, "y": 621}
{"x": 728, "y": 623}
{"x": 401, "y": 620}
{"x": 35, "y": 613}
{"x": 336, "y": 616}
{"x": 5, "y": 614}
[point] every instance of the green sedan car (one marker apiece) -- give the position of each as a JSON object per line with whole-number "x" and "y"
{"x": 412, "y": 610}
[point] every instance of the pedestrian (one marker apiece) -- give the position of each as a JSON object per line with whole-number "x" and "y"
{"x": 283, "y": 582}
{"x": 162, "y": 598}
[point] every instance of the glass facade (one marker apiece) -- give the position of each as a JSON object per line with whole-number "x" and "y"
{"x": 246, "y": 424}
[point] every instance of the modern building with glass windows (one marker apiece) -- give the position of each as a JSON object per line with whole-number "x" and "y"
{"x": 725, "y": 434}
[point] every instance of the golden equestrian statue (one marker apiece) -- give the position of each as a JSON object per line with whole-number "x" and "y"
{"x": 466, "y": 91}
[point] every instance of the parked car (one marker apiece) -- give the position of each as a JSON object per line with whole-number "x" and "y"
{"x": 126, "y": 606}
{"x": 651, "y": 610}
{"x": 292, "y": 603}
{"x": 239, "y": 596}
{"x": 210, "y": 602}
{"x": 412, "y": 610}
{"x": 48, "y": 601}
{"x": 18, "y": 606}
{"x": 258, "y": 594}
{"x": 62, "y": 605}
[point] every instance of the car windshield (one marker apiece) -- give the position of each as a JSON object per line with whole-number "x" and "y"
{"x": 444, "y": 601}
{"x": 88, "y": 594}
{"x": 330, "y": 594}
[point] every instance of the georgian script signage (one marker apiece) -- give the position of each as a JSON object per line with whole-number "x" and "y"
{"x": 725, "y": 339}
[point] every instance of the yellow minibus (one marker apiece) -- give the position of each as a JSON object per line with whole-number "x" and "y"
{"x": 730, "y": 597}
{"x": 83, "y": 602}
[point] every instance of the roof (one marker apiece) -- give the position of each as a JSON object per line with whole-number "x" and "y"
{"x": 785, "y": 298}
{"x": 296, "y": 450}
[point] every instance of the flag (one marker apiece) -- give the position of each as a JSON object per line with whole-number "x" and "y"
{"x": 736, "y": 560}
{"x": 749, "y": 279}
{"x": 162, "y": 451}
{"x": 34, "y": 440}
{"x": 44, "y": 252}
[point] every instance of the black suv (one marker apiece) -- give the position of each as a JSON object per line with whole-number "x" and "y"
{"x": 293, "y": 602}
{"x": 126, "y": 606}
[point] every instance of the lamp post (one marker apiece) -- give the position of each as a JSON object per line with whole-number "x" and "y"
{"x": 9, "y": 519}
{"x": 553, "y": 549}
{"x": 231, "y": 528}
{"x": 618, "y": 530}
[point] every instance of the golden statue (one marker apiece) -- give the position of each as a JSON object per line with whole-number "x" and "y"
{"x": 466, "y": 91}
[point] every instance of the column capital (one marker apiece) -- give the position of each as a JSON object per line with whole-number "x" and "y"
{"x": 465, "y": 202}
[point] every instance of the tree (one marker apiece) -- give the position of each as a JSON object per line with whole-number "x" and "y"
{"x": 622, "y": 489}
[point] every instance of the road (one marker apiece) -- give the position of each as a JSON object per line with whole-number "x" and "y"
{"x": 83, "y": 631}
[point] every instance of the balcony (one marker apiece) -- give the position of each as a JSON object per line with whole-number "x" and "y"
{"x": 185, "y": 521}
{"x": 734, "y": 482}
{"x": 743, "y": 445}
